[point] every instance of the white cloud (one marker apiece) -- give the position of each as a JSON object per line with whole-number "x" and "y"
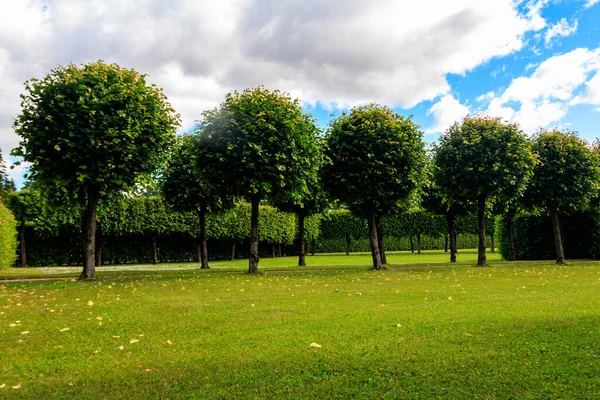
{"x": 543, "y": 98}
{"x": 590, "y": 3}
{"x": 486, "y": 96}
{"x": 561, "y": 29}
{"x": 446, "y": 112}
{"x": 338, "y": 52}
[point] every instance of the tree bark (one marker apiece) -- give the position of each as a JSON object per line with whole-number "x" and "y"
{"x": 452, "y": 237}
{"x": 198, "y": 248}
{"x": 512, "y": 254}
{"x": 253, "y": 259}
{"x": 412, "y": 247}
{"x": 154, "y": 250}
{"x": 273, "y": 250}
{"x": 374, "y": 241}
{"x": 22, "y": 245}
{"x": 203, "y": 249}
{"x": 380, "y": 241}
{"x": 302, "y": 239}
{"x": 419, "y": 243}
{"x": 99, "y": 248}
{"x": 455, "y": 241}
{"x": 445, "y": 243}
{"x": 493, "y": 243}
{"x": 232, "y": 251}
{"x": 279, "y": 250}
{"x": 481, "y": 257}
{"x": 89, "y": 234}
{"x": 560, "y": 254}
{"x": 348, "y": 239}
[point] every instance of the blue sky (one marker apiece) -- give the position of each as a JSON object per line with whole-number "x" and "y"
{"x": 535, "y": 62}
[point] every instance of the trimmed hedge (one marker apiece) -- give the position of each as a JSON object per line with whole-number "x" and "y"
{"x": 534, "y": 239}
{"x": 8, "y": 237}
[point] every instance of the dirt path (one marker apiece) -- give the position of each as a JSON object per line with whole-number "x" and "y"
{"x": 57, "y": 278}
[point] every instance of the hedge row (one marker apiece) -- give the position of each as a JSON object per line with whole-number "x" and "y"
{"x": 534, "y": 239}
{"x": 8, "y": 238}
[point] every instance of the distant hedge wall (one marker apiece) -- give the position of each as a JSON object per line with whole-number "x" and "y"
{"x": 8, "y": 237}
{"x": 534, "y": 239}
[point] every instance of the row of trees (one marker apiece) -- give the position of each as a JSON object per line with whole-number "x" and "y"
{"x": 95, "y": 130}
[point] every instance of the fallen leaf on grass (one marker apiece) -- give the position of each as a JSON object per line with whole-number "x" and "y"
{"x": 3, "y": 386}
{"x": 58, "y": 347}
{"x": 116, "y": 337}
{"x": 133, "y": 341}
{"x": 99, "y": 318}
{"x": 313, "y": 344}
{"x": 12, "y": 325}
{"x": 147, "y": 370}
{"x": 95, "y": 351}
{"x": 169, "y": 342}
{"x": 138, "y": 366}
{"x": 24, "y": 332}
{"x": 16, "y": 387}
{"x": 467, "y": 334}
{"x": 65, "y": 329}
{"x": 70, "y": 384}
{"x": 121, "y": 348}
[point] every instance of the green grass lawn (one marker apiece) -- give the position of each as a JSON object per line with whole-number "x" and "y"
{"x": 528, "y": 330}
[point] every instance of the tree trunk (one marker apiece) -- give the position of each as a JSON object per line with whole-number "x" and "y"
{"x": 302, "y": 255}
{"x": 560, "y": 254}
{"x": 198, "y": 247}
{"x": 154, "y": 250}
{"x": 273, "y": 250}
{"x": 202, "y": 238}
{"x": 493, "y": 243}
{"x": 253, "y": 259}
{"x": 512, "y": 254}
{"x": 279, "y": 250}
{"x": 374, "y": 241}
{"x": 419, "y": 243}
{"x": 481, "y": 257}
{"x": 452, "y": 237}
{"x": 445, "y": 243}
{"x": 380, "y": 241}
{"x": 89, "y": 235}
{"x": 455, "y": 241}
{"x": 412, "y": 246}
{"x": 22, "y": 245}
{"x": 232, "y": 251}
{"x": 99, "y": 248}
{"x": 348, "y": 238}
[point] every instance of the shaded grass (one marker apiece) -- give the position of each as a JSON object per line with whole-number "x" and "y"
{"x": 522, "y": 331}
{"x": 318, "y": 261}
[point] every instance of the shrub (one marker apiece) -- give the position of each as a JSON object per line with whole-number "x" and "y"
{"x": 8, "y": 237}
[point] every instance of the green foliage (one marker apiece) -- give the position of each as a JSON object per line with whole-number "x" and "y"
{"x": 482, "y": 158}
{"x": 534, "y": 239}
{"x": 185, "y": 182}
{"x": 262, "y": 144}
{"x": 337, "y": 223}
{"x": 93, "y": 127}
{"x": 566, "y": 177}
{"x": 376, "y": 158}
{"x": 8, "y": 237}
{"x": 7, "y": 185}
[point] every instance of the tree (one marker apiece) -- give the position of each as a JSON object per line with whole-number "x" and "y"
{"x": 481, "y": 159}
{"x": 7, "y": 185}
{"x": 186, "y": 187}
{"x": 92, "y": 130}
{"x": 565, "y": 179}
{"x": 310, "y": 202}
{"x": 376, "y": 159}
{"x": 262, "y": 143}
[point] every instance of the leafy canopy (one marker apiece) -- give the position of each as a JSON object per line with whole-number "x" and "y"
{"x": 566, "y": 177}
{"x": 95, "y": 126}
{"x": 376, "y": 157}
{"x": 482, "y": 158}
{"x": 262, "y": 142}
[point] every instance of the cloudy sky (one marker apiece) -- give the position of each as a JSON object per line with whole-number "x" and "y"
{"x": 536, "y": 62}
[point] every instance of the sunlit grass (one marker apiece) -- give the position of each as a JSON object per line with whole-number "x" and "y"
{"x": 518, "y": 331}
